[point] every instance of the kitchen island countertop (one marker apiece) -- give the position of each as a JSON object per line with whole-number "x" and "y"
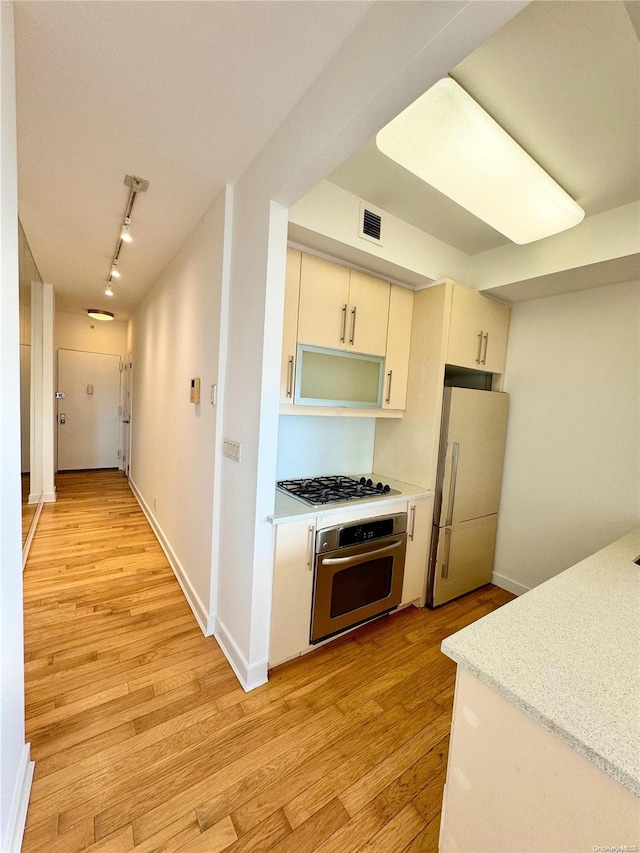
{"x": 288, "y": 508}
{"x": 567, "y": 653}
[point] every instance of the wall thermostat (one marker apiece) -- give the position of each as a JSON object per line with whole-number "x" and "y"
{"x": 195, "y": 391}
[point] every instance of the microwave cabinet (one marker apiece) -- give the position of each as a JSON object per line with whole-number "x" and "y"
{"x": 335, "y": 308}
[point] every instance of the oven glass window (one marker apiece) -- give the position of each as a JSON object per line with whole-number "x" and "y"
{"x": 360, "y": 585}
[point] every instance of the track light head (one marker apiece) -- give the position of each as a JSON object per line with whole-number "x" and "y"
{"x": 125, "y": 232}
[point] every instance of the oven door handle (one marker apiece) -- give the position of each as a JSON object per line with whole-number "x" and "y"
{"x": 354, "y": 559}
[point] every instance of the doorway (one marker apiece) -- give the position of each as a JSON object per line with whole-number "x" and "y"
{"x": 89, "y": 411}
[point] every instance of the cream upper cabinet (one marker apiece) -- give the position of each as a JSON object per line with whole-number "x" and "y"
{"x": 290, "y": 325}
{"x": 324, "y": 303}
{"x": 342, "y": 308}
{"x": 414, "y": 586}
{"x": 398, "y": 346}
{"x": 368, "y": 314}
{"x": 478, "y": 331}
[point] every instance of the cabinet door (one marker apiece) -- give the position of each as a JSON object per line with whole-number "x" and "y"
{"x": 418, "y": 539}
{"x": 290, "y": 325}
{"x": 478, "y": 331}
{"x": 398, "y": 344}
{"x": 496, "y": 328}
{"x": 368, "y": 314}
{"x": 292, "y": 590}
{"x": 466, "y": 329}
{"x": 324, "y": 298}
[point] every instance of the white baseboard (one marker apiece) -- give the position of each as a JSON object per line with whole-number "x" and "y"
{"x": 49, "y": 497}
{"x": 249, "y": 677}
{"x": 509, "y": 584}
{"x": 32, "y": 532}
{"x": 193, "y": 599}
{"x": 18, "y": 816}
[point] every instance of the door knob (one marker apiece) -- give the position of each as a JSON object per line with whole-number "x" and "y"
{"x": 62, "y": 418}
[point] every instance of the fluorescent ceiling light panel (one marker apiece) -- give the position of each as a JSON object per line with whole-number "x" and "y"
{"x": 451, "y": 143}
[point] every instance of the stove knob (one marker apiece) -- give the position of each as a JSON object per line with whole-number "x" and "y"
{"x": 387, "y": 488}
{"x": 363, "y": 481}
{"x": 369, "y": 482}
{"x": 379, "y": 486}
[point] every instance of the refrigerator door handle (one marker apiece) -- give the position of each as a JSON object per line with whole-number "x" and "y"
{"x": 444, "y": 571}
{"x": 454, "y": 476}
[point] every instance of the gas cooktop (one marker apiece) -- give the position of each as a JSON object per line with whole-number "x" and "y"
{"x": 318, "y": 491}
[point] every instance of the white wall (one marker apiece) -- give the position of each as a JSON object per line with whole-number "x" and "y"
{"x": 313, "y": 446}
{"x": 80, "y": 332}
{"x": 572, "y": 466}
{"x": 15, "y": 770}
{"x": 406, "y": 254}
{"x": 175, "y": 336}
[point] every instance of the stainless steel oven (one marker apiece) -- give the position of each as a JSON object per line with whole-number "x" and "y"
{"x": 358, "y": 573}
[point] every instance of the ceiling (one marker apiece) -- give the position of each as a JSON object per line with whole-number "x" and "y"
{"x": 563, "y": 79}
{"x": 182, "y": 94}
{"x": 185, "y": 95}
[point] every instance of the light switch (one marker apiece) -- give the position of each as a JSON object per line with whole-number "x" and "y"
{"x": 195, "y": 391}
{"x": 232, "y": 449}
{"x": 90, "y": 389}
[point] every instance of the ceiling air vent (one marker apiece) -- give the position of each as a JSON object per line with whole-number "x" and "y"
{"x": 370, "y": 224}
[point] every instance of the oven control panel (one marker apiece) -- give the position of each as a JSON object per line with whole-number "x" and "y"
{"x": 343, "y": 535}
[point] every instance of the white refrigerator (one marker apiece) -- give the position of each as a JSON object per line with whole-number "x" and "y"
{"x": 468, "y": 484}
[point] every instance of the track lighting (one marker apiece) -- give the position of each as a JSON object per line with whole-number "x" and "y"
{"x": 125, "y": 232}
{"x": 136, "y": 185}
{"x": 99, "y": 314}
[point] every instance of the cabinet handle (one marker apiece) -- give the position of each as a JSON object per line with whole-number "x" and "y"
{"x": 412, "y": 525}
{"x": 388, "y": 397}
{"x": 479, "y": 353}
{"x": 344, "y": 324}
{"x": 310, "y": 554}
{"x": 353, "y": 326}
{"x": 486, "y": 345}
{"x": 444, "y": 572}
{"x": 290, "y": 377}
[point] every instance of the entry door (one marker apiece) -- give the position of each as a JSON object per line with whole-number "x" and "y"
{"x": 88, "y": 414}
{"x": 126, "y": 414}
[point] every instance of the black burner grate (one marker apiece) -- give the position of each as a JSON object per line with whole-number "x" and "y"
{"x": 317, "y": 491}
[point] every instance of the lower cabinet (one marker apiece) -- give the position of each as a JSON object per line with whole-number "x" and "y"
{"x": 292, "y": 590}
{"x": 294, "y": 564}
{"x": 419, "y": 518}
{"x": 514, "y": 785}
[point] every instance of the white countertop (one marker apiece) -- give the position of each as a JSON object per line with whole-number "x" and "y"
{"x": 288, "y": 508}
{"x": 567, "y": 653}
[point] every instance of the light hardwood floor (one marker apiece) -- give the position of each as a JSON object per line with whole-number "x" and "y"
{"x": 143, "y": 738}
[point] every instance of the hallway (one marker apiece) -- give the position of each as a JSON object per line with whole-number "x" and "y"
{"x": 144, "y": 739}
